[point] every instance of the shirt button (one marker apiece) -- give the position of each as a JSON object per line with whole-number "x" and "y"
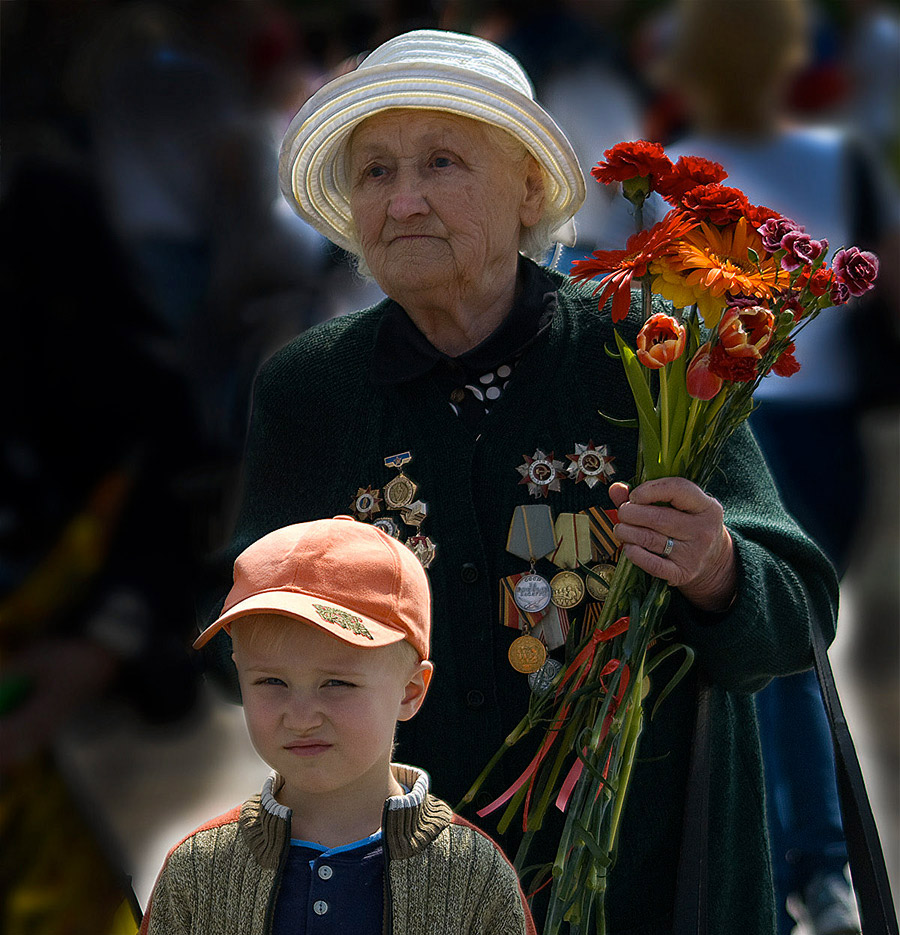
{"x": 320, "y": 907}
{"x": 325, "y": 872}
{"x": 475, "y": 699}
{"x": 457, "y": 395}
{"x": 469, "y": 573}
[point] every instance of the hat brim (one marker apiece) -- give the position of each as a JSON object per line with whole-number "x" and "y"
{"x": 312, "y": 170}
{"x": 344, "y": 623}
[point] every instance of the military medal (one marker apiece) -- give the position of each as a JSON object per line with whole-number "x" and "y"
{"x": 531, "y": 537}
{"x": 423, "y": 548}
{"x": 590, "y": 464}
{"x": 542, "y": 473}
{"x": 532, "y": 593}
{"x": 527, "y": 654}
{"x": 604, "y": 544}
{"x": 415, "y": 513}
{"x": 598, "y": 580}
{"x": 366, "y": 502}
{"x": 541, "y": 680}
{"x": 567, "y": 589}
{"x": 389, "y": 525}
{"x": 573, "y": 540}
{"x": 398, "y": 495}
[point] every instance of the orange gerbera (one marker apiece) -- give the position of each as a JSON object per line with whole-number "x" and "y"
{"x": 640, "y": 250}
{"x": 708, "y": 265}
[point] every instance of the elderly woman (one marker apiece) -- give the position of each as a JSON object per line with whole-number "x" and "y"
{"x": 474, "y": 389}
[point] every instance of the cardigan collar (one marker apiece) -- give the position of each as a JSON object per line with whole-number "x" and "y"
{"x": 402, "y": 353}
{"x": 410, "y": 822}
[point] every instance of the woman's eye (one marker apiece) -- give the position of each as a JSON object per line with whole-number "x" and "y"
{"x": 441, "y": 162}
{"x": 374, "y": 172}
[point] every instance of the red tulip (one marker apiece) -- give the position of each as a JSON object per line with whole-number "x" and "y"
{"x": 660, "y": 341}
{"x": 701, "y": 382}
{"x": 746, "y": 332}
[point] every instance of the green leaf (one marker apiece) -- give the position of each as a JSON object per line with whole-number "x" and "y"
{"x": 676, "y": 678}
{"x": 624, "y": 423}
{"x": 647, "y": 417}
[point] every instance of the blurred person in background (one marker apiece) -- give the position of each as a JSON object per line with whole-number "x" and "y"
{"x": 732, "y": 65}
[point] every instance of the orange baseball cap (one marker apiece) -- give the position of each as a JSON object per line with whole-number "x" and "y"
{"x": 346, "y": 577}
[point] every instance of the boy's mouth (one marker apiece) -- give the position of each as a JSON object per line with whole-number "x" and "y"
{"x": 307, "y": 747}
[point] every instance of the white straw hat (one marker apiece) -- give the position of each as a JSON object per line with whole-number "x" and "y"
{"x": 427, "y": 69}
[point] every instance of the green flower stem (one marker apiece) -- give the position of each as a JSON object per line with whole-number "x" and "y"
{"x": 664, "y": 421}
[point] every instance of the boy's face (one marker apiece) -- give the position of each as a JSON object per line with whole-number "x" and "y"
{"x": 321, "y": 712}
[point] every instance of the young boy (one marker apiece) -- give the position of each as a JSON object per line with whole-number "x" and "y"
{"x": 330, "y": 623}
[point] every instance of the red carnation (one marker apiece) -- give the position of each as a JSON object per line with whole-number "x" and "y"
{"x": 736, "y": 369}
{"x": 632, "y": 160}
{"x": 688, "y": 173}
{"x": 787, "y": 364}
{"x": 715, "y": 203}
{"x": 757, "y": 215}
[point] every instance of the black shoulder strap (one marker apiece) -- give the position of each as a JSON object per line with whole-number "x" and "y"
{"x": 870, "y": 879}
{"x": 867, "y": 868}
{"x": 691, "y": 895}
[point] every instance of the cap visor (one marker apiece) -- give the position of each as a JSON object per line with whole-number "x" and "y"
{"x": 345, "y": 624}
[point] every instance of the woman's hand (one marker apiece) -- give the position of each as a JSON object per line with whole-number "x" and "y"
{"x": 671, "y": 529}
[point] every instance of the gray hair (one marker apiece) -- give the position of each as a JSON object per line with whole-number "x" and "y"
{"x": 535, "y": 242}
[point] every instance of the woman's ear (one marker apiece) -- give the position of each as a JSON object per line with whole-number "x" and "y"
{"x": 532, "y": 207}
{"x": 416, "y": 689}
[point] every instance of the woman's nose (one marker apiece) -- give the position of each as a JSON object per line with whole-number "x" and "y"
{"x": 407, "y": 198}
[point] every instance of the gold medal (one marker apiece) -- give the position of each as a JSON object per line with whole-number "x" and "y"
{"x": 567, "y": 589}
{"x": 532, "y": 593}
{"x": 527, "y": 654}
{"x": 598, "y": 581}
{"x": 415, "y": 513}
{"x": 399, "y": 492}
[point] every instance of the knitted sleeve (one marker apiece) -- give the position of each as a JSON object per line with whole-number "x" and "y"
{"x": 784, "y": 581}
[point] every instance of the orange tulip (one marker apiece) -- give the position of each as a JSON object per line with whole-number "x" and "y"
{"x": 746, "y": 332}
{"x": 701, "y": 382}
{"x": 660, "y": 341}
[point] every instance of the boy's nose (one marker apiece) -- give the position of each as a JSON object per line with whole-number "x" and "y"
{"x": 302, "y": 714}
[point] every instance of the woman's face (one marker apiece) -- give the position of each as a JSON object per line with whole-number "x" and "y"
{"x": 439, "y": 203}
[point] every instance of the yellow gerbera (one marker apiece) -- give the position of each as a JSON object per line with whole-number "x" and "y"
{"x": 708, "y": 264}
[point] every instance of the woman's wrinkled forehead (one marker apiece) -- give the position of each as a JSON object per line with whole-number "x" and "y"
{"x": 412, "y": 128}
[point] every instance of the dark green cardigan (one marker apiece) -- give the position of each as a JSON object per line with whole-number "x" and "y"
{"x": 320, "y": 430}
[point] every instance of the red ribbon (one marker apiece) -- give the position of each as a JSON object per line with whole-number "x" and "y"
{"x": 584, "y": 660}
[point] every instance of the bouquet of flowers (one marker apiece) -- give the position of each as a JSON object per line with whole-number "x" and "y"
{"x": 742, "y": 281}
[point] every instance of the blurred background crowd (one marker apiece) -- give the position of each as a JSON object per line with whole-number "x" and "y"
{"x": 149, "y": 265}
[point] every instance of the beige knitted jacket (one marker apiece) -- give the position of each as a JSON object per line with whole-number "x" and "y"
{"x": 442, "y": 875}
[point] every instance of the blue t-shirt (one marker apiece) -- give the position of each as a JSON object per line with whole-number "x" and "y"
{"x": 337, "y": 891}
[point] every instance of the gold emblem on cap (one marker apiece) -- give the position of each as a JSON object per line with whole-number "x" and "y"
{"x": 527, "y": 654}
{"x": 343, "y": 618}
{"x": 566, "y": 589}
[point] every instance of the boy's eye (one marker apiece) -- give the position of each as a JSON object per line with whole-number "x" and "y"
{"x": 338, "y": 683}
{"x": 270, "y": 680}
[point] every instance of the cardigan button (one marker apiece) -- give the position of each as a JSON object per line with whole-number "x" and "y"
{"x": 469, "y": 573}
{"x": 320, "y": 907}
{"x": 457, "y": 395}
{"x": 325, "y": 872}
{"x": 475, "y": 698}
